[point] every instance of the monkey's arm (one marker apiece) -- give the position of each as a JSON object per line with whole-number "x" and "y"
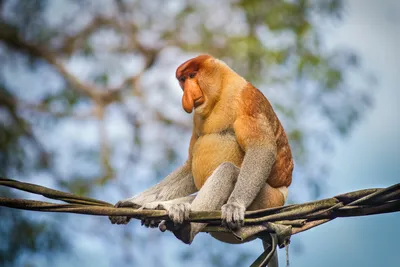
{"x": 177, "y": 184}
{"x": 256, "y": 138}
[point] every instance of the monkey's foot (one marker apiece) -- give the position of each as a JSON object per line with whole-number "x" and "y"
{"x": 119, "y": 219}
{"x": 177, "y": 212}
{"x": 125, "y": 203}
{"x": 150, "y": 223}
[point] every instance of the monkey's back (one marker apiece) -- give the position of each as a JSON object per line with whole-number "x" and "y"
{"x": 254, "y": 102}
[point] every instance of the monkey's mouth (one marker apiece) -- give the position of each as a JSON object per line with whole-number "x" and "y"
{"x": 198, "y": 102}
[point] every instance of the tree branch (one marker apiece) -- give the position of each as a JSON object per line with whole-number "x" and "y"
{"x": 9, "y": 35}
{"x": 277, "y": 224}
{"x": 300, "y": 216}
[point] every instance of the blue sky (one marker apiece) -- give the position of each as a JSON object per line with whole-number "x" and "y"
{"x": 370, "y": 156}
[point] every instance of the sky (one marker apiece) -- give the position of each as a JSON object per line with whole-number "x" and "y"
{"x": 370, "y": 156}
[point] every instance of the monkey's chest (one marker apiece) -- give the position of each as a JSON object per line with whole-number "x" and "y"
{"x": 210, "y": 151}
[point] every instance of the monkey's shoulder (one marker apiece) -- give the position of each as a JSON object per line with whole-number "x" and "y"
{"x": 256, "y": 105}
{"x": 254, "y": 102}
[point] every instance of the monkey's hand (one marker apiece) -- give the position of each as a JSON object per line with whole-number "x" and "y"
{"x": 233, "y": 215}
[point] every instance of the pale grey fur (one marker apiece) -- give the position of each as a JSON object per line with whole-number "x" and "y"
{"x": 229, "y": 188}
{"x": 214, "y": 193}
{"x": 178, "y": 209}
{"x": 254, "y": 172}
{"x": 220, "y": 183}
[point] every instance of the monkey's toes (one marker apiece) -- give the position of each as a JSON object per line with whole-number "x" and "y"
{"x": 119, "y": 219}
{"x": 151, "y": 223}
{"x": 179, "y": 212}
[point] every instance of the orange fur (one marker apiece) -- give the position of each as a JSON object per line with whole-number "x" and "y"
{"x": 233, "y": 117}
{"x": 212, "y": 150}
{"x": 256, "y": 106}
{"x": 192, "y": 95}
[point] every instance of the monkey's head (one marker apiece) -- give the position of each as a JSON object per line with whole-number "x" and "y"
{"x": 201, "y": 83}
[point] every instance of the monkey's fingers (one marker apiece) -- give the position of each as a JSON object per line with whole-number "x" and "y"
{"x": 238, "y": 218}
{"x": 233, "y": 215}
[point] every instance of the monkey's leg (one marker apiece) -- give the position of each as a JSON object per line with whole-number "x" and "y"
{"x": 214, "y": 193}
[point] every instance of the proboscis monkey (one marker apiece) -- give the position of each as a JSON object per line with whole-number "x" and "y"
{"x": 239, "y": 155}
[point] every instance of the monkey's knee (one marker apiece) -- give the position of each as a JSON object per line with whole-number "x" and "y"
{"x": 225, "y": 172}
{"x": 228, "y": 167}
{"x": 217, "y": 189}
{"x": 269, "y": 197}
{"x": 214, "y": 193}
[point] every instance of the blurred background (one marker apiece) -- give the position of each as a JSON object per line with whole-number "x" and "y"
{"x": 89, "y": 104}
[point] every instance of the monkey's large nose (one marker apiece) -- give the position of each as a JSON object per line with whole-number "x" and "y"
{"x": 199, "y": 101}
{"x": 187, "y": 103}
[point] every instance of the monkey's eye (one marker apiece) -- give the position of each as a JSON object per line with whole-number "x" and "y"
{"x": 182, "y": 79}
{"x": 192, "y": 75}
